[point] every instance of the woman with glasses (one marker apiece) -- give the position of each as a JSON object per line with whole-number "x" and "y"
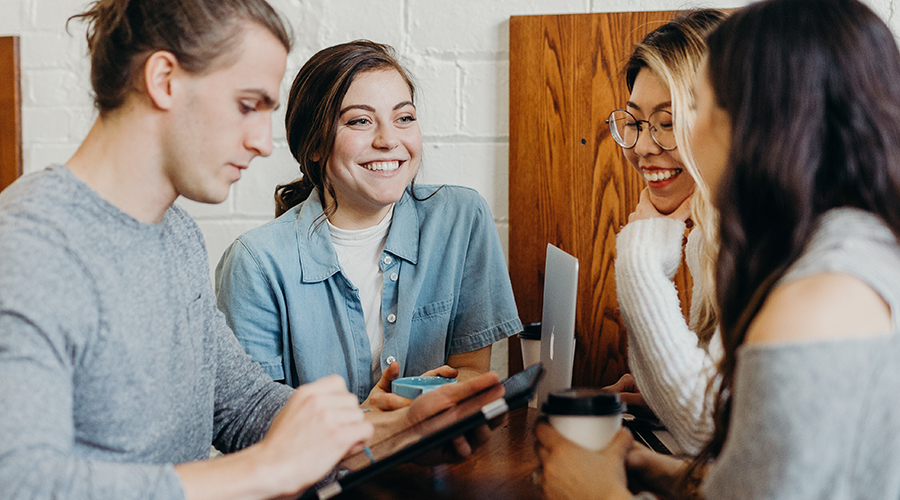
{"x": 670, "y": 360}
{"x": 797, "y": 133}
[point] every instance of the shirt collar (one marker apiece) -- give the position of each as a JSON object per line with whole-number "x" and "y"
{"x": 319, "y": 260}
{"x": 403, "y": 238}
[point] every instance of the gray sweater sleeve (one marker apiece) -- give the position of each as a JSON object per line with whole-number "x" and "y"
{"x": 114, "y": 362}
{"x": 247, "y": 399}
{"x": 53, "y": 328}
{"x": 41, "y": 347}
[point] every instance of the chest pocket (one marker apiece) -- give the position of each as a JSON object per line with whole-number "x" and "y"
{"x": 432, "y": 318}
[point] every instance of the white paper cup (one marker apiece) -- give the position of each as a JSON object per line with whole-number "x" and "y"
{"x": 589, "y": 417}
{"x": 531, "y": 351}
{"x": 593, "y": 433}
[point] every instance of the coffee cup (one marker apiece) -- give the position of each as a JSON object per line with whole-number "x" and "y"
{"x": 588, "y": 416}
{"x": 530, "y": 340}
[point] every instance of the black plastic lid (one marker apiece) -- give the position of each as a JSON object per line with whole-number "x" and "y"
{"x": 583, "y": 401}
{"x": 532, "y": 331}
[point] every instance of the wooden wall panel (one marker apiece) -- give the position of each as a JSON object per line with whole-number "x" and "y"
{"x": 10, "y": 112}
{"x": 569, "y": 183}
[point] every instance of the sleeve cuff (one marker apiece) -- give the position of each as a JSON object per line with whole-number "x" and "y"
{"x": 484, "y": 338}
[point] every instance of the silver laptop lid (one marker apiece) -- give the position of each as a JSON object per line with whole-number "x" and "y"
{"x": 558, "y": 322}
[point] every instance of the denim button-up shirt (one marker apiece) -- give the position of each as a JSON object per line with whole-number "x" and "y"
{"x": 446, "y": 291}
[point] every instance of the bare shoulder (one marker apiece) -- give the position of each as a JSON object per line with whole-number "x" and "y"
{"x": 827, "y": 306}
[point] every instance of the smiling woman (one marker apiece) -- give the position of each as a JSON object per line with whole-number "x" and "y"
{"x": 377, "y": 149}
{"x": 656, "y": 159}
{"x": 363, "y": 273}
{"x": 671, "y": 360}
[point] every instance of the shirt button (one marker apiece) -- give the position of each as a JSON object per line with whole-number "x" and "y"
{"x": 394, "y": 276}
{"x": 387, "y": 260}
{"x": 390, "y": 359}
{"x": 391, "y": 318}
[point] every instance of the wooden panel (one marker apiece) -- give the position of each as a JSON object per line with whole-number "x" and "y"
{"x": 569, "y": 183}
{"x": 10, "y": 112}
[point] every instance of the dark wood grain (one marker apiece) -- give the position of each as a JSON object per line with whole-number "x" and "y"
{"x": 498, "y": 470}
{"x": 10, "y": 112}
{"x": 569, "y": 183}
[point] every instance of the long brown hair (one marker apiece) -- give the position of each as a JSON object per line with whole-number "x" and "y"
{"x": 123, "y": 34}
{"x": 813, "y": 92}
{"x": 313, "y": 110}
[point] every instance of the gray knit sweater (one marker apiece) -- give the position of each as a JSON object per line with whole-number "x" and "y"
{"x": 821, "y": 419}
{"x": 114, "y": 361}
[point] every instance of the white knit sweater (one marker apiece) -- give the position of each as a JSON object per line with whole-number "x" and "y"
{"x": 671, "y": 369}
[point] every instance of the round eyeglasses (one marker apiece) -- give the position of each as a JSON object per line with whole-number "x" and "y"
{"x": 625, "y": 129}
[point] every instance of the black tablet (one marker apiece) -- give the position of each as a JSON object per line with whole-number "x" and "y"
{"x": 428, "y": 434}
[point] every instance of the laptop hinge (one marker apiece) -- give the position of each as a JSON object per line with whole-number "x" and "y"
{"x": 491, "y": 410}
{"x": 329, "y": 490}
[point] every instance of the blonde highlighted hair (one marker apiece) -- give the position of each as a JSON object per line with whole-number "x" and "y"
{"x": 673, "y": 52}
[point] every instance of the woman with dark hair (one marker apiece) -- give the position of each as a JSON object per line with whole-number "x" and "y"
{"x": 672, "y": 361}
{"x": 798, "y": 135}
{"x": 364, "y": 273}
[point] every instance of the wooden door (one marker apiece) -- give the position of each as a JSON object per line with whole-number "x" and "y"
{"x": 569, "y": 183}
{"x": 10, "y": 112}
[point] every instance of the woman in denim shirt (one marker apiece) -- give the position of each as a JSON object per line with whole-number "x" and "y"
{"x": 364, "y": 273}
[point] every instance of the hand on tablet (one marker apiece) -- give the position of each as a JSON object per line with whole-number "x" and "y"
{"x": 320, "y": 423}
{"x": 388, "y": 423}
{"x": 381, "y": 398}
{"x": 440, "y": 399}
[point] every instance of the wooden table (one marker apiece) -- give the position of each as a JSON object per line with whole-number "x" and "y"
{"x": 499, "y": 470}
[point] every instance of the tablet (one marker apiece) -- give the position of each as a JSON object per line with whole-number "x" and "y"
{"x": 440, "y": 428}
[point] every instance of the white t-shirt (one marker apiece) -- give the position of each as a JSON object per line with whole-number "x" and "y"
{"x": 359, "y": 253}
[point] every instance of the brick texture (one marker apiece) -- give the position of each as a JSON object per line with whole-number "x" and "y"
{"x": 458, "y": 52}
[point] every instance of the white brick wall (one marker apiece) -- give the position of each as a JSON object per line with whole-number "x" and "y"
{"x": 458, "y": 51}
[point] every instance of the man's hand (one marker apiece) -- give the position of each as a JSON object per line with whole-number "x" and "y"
{"x": 320, "y": 423}
{"x": 381, "y": 397}
{"x": 318, "y": 426}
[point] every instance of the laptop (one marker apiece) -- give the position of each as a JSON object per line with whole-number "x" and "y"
{"x": 558, "y": 346}
{"x": 558, "y": 322}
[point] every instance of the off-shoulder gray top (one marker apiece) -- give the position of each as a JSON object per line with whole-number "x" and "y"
{"x": 821, "y": 419}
